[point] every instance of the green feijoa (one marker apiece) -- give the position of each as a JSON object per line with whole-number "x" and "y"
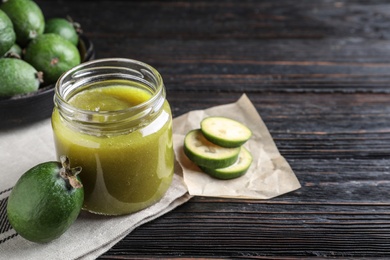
{"x": 62, "y": 27}
{"x": 45, "y": 201}
{"x": 17, "y": 77}
{"x": 14, "y": 51}
{"x": 207, "y": 154}
{"x": 239, "y": 168}
{"x": 27, "y": 19}
{"x": 7, "y": 33}
{"x": 53, "y": 55}
{"x": 225, "y": 131}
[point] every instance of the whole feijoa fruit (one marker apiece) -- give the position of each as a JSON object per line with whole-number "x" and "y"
{"x": 64, "y": 28}
{"x": 14, "y": 51}
{"x": 53, "y": 55}
{"x": 27, "y": 19}
{"x": 45, "y": 201}
{"x": 17, "y": 77}
{"x": 7, "y": 34}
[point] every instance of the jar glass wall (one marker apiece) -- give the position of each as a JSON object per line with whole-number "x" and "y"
{"x": 111, "y": 118}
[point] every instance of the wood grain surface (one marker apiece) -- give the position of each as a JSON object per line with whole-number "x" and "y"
{"x": 318, "y": 74}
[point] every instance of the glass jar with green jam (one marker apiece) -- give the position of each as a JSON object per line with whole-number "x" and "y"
{"x": 111, "y": 117}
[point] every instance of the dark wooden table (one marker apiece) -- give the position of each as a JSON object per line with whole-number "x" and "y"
{"x": 318, "y": 73}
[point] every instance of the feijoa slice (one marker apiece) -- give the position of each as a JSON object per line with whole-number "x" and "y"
{"x": 239, "y": 168}
{"x": 207, "y": 154}
{"x": 45, "y": 201}
{"x": 224, "y": 131}
{"x": 27, "y": 19}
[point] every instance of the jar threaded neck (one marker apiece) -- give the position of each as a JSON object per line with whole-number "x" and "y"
{"x": 95, "y": 74}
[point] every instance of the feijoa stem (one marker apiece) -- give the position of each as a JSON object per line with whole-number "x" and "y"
{"x": 13, "y": 55}
{"x": 76, "y": 25}
{"x": 39, "y": 76}
{"x": 70, "y": 174}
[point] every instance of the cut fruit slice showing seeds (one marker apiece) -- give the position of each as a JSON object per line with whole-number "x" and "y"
{"x": 224, "y": 131}
{"x": 239, "y": 168}
{"x": 207, "y": 154}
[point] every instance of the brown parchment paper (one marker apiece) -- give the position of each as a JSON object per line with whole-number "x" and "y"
{"x": 269, "y": 176}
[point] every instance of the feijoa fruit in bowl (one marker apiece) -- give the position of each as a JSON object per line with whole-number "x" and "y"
{"x": 52, "y": 46}
{"x": 46, "y": 201}
{"x": 64, "y": 27}
{"x": 52, "y": 55}
{"x": 18, "y": 77}
{"x": 27, "y": 18}
{"x": 7, "y": 33}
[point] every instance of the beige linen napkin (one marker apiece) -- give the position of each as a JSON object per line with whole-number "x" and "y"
{"x": 269, "y": 176}
{"x": 91, "y": 235}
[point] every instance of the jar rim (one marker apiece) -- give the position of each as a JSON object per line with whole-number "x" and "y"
{"x": 92, "y": 73}
{"x": 89, "y": 65}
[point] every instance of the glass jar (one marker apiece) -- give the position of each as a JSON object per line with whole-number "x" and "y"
{"x": 111, "y": 118}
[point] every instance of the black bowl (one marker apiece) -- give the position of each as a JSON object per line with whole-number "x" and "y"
{"x": 28, "y": 108}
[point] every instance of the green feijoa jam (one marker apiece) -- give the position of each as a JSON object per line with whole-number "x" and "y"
{"x": 45, "y": 201}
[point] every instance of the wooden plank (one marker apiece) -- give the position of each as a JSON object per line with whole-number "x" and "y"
{"x": 223, "y": 229}
{"x": 226, "y": 20}
{"x": 322, "y": 46}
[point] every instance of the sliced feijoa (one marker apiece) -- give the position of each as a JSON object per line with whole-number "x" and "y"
{"x": 224, "y": 131}
{"x": 207, "y": 154}
{"x": 239, "y": 168}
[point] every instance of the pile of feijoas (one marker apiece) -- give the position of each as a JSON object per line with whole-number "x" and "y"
{"x": 34, "y": 51}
